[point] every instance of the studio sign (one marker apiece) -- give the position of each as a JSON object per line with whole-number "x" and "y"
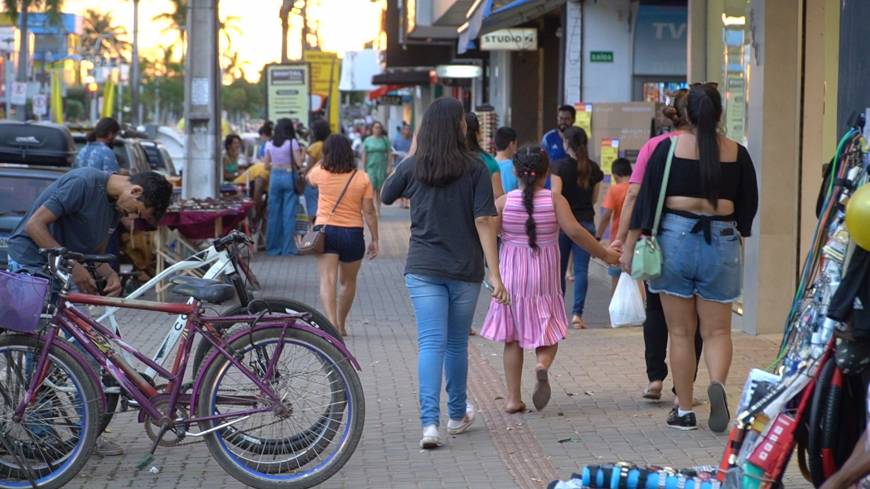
{"x": 510, "y": 40}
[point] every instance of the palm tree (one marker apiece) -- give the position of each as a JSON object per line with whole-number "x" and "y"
{"x": 228, "y": 26}
{"x": 21, "y": 8}
{"x": 177, "y": 18}
{"x": 101, "y": 37}
{"x": 234, "y": 67}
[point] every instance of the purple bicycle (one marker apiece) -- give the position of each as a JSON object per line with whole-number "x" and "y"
{"x": 278, "y": 403}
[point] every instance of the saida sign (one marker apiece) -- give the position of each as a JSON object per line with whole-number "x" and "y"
{"x": 510, "y": 40}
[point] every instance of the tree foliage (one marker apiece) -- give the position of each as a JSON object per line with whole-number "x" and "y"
{"x": 101, "y": 37}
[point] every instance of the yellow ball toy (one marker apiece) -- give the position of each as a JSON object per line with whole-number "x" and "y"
{"x": 858, "y": 216}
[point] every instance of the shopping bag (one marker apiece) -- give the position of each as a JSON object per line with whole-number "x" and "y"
{"x": 626, "y": 306}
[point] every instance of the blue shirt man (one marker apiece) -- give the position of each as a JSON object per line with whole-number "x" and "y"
{"x": 402, "y": 142}
{"x": 552, "y": 142}
{"x": 97, "y": 155}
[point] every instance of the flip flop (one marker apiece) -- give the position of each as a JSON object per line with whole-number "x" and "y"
{"x": 719, "y": 415}
{"x": 541, "y": 394}
{"x": 578, "y": 323}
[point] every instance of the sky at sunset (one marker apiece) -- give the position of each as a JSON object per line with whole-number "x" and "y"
{"x": 345, "y": 25}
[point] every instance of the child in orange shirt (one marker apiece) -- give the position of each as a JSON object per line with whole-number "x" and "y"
{"x": 612, "y": 207}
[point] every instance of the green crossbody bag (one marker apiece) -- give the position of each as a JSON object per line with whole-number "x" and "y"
{"x": 646, "y": 264}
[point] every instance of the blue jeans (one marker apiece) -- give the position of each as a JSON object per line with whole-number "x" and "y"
{"x": 444, "y": 310}
{"x": 311, "y": 196}
{"x": 581, "y": 267}
{"x": 281, "y": 214}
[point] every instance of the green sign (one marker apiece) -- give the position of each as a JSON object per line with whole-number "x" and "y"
{"x": 601, "y": 56}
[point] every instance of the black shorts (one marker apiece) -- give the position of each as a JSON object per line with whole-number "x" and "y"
{"x": 348, "y": 243}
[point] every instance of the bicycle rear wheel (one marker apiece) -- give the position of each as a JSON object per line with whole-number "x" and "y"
{"x": 54, "y": 439}
{"x": 312, "y": 378}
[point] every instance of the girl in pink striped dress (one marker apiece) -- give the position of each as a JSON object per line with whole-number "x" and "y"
{"x": 529, "y": 264}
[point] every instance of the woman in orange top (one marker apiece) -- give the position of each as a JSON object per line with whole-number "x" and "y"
{"x": 342, "y": 217}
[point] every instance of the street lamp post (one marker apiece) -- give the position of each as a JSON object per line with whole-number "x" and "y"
{"x": 8, "y": 75}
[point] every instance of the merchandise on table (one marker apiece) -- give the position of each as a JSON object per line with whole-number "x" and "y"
{"x": 628, "y": 476}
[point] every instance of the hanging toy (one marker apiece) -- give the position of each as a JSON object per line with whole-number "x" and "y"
{"x": 858, "y": 216}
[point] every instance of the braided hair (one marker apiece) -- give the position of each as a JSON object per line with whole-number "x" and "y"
{"x": 531, "y": 165}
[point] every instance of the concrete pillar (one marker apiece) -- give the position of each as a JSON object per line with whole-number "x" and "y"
{"x": 696, "y": 42}
{"x": 771, "y": 264}
{"x": 820, "y": 106}
{"x": 202, "y": 112}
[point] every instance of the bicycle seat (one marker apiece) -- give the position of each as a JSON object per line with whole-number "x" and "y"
{"x": 202, "y": 289}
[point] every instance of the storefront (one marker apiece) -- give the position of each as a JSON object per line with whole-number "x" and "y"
{"x": 792, "y": 74}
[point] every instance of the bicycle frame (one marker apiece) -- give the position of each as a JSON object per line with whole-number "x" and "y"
{"x": 92, "y": 337}
{"x": 221, "y": 264}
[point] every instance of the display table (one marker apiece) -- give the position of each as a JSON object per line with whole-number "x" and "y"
{"x": 187, "y": 222}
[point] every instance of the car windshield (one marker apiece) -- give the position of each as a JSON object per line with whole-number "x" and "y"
{"x": 17, "y": 194}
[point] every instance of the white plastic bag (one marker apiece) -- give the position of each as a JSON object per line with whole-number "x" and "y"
{"x": 626, "y": 306}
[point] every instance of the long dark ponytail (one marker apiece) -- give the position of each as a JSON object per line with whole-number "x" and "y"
{"x": 578, "y": 141}
{"x": 705, "y": 110}
{"x": 531, "y": 165}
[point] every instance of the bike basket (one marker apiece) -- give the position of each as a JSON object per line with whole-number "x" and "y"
{"x": 22, "y": 298}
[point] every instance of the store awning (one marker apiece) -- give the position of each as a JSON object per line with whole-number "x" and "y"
{"x": 469, "y": 31}
{"x": 516, "y": 13}
{"x": 403, "y": 77}
{"x": 383, "y": 90}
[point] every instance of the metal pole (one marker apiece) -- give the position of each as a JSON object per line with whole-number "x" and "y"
{"x": 8, "y": 77}
{"x": 134, "y": 79}
{"x": 21, "y": 110}
{"x": 202, "y": 101}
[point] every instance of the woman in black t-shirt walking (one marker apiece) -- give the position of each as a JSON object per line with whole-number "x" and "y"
{"x": 453, "y": 227}
{"x": 578, "y": 179}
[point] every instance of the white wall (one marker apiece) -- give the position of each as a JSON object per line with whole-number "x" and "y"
{"x": 607, "y": 28}
{"x": 499, "y": 84}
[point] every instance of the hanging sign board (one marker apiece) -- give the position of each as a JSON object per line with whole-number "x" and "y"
{"x": 287, "y": 92}
{"x": 19, "y": 93}
{"x": 40, "y": 105}
{"x": 510, "y": 40}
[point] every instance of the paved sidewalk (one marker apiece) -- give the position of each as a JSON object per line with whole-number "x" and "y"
{"x": 596, "y": 414}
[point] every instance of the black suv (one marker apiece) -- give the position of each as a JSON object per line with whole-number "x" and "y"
{"x": 32, "y": 156}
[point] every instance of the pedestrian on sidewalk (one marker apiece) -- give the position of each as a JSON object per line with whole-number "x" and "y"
{"x": 377, "y": 156}
{"x": 554, "y": 140}
{"x": 612, "y": 208}
{"x": 711, "y": 201}
{"x": 283, "y": 156}
{"x": 346, "y": 199}
{"x": 655, "y": 328}
{"x": 98, "y": 153}
{"x": 320, "y": 130}
{"x": 231, "y": 157}
{"x": 506, "y": 148}
{"x": 472, "y": 140}
{"x": 578, "y": 179}
{"x": 534, "y": 318}
{"x": 453, "y": 227}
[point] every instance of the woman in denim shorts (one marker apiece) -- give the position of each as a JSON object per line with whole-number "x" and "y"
{"x": 345, "y": 198}
{"x": 711, "y": 201}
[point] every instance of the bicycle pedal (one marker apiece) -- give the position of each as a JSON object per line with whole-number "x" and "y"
{"x": 145, "y": 461}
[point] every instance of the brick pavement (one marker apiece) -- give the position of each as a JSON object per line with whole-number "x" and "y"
{"x": 596, "y": 414}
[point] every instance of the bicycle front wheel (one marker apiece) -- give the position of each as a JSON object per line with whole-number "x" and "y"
{"x": 50, "y": 444}
{"x": 321, "y": 401}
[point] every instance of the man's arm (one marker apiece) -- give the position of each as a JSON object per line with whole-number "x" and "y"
{"x": 37, "y": 229}
{"x": 856, "y": 468}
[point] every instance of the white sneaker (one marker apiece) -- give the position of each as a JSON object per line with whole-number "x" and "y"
{"x": 459, "y": 426}
{"x": 430, "y": 439}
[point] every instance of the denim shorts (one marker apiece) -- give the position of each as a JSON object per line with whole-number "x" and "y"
{"x": 348, "y": 243}
{"x": 614, "y": 272}
{"x": 691, "y": 266}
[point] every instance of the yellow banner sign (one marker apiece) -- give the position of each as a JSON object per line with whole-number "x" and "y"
{"x": 584, "y": 118}
{"x": 325, "y": 77}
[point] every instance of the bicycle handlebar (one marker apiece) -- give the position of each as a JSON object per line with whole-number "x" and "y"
{"x": 235, "y": 237}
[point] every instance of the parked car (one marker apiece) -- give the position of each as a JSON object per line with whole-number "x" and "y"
{"x": 36, "y": 143}
{"x": 158, "y": 157}
{"x": 19, "y": 187}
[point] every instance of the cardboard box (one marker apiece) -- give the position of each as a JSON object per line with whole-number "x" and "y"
{"x": 630, "y": 122}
